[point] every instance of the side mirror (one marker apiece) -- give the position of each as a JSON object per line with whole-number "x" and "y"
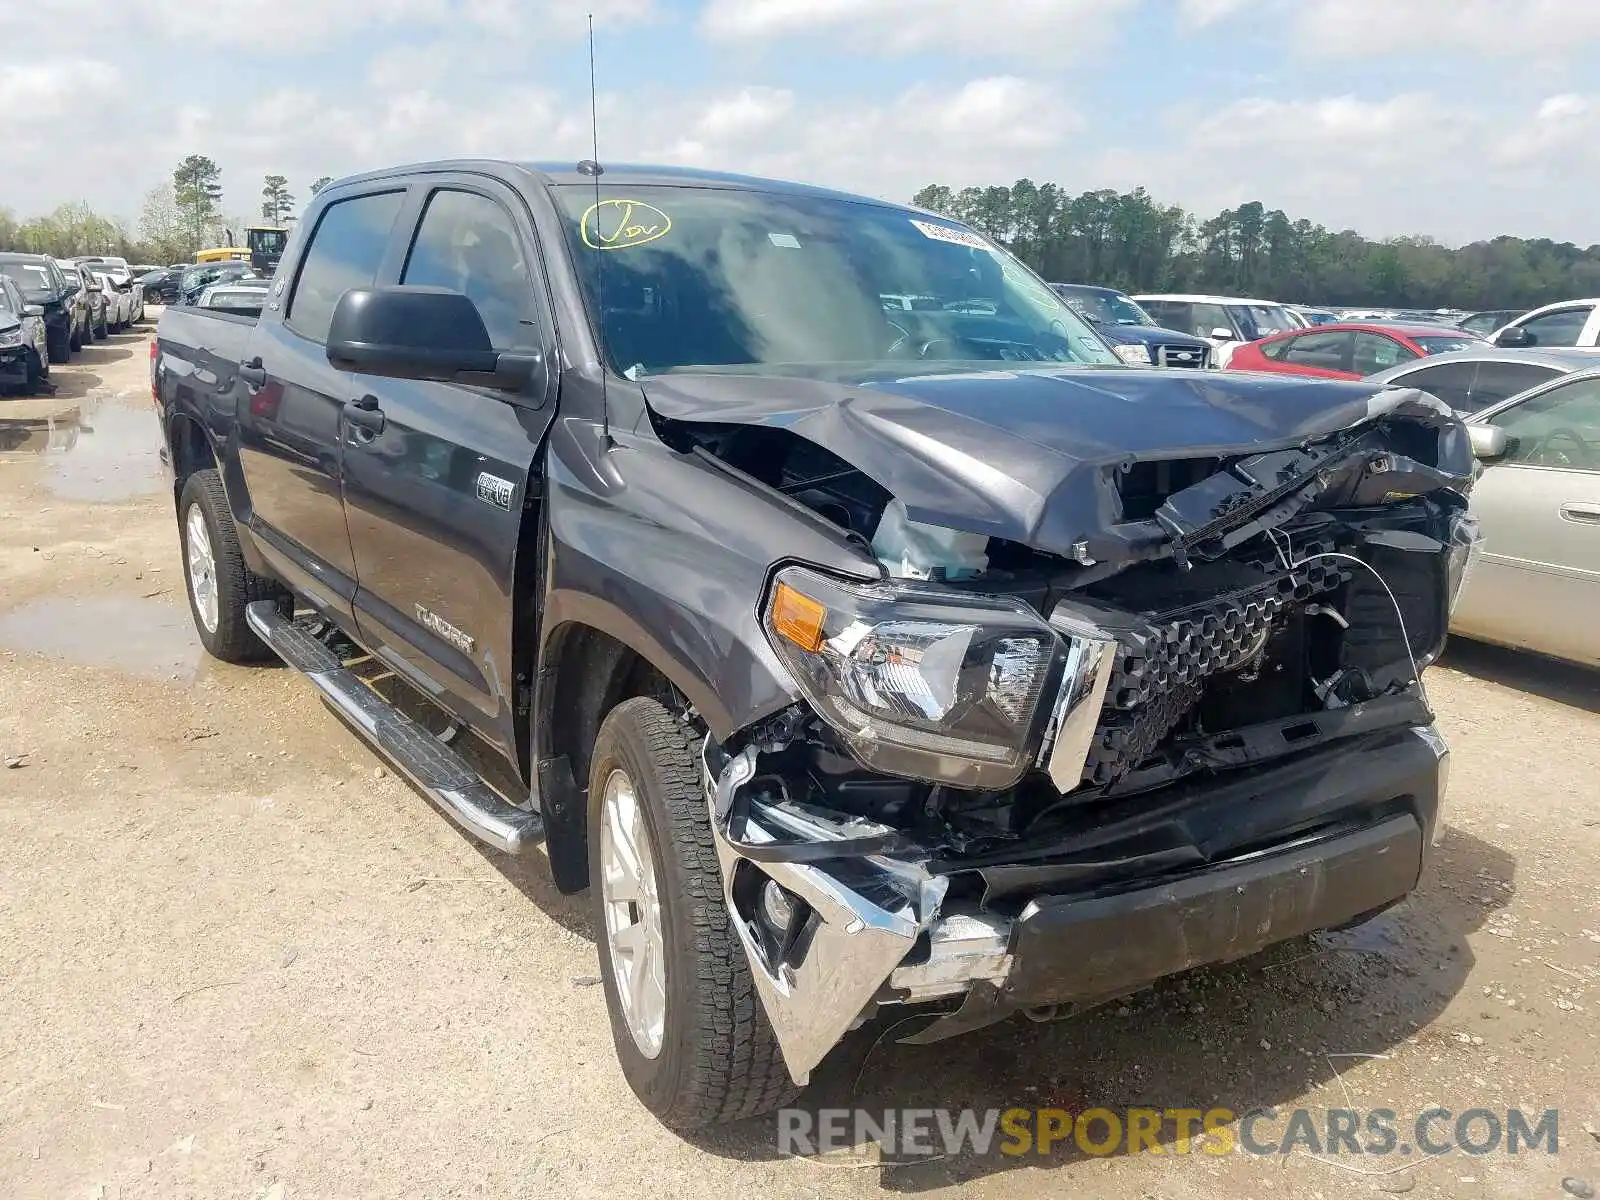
{"x": 33, "y": 310}
{"x": 1488, "y": 441}
{"x": 430, "y": 333}
{"x": 1514, "y": 337}
{"x": 73, "y": 289}
{"x": 1222, "y": 335}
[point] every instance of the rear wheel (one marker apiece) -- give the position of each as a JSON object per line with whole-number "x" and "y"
{"x": 220, "y": 586}
{"x": 691, "y": 1035}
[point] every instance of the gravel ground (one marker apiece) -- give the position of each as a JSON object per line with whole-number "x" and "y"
{"x": 238, "y": 958}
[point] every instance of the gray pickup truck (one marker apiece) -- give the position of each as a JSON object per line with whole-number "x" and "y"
{"x": 850, "y": 658}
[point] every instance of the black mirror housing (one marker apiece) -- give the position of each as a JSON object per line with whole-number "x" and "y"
{"x": 428, "y": 333}
{"x": 1514, "y": 337}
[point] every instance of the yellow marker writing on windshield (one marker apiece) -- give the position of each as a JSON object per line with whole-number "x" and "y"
{"x": 622, "y": 224}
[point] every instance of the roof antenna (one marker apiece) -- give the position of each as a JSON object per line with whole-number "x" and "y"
{"x": 592, "y": 168}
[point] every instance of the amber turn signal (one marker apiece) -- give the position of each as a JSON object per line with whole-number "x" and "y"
{"x": 798, "y": 618}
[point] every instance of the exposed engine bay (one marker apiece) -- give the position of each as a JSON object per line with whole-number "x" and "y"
{"x": 1275, "y": 590}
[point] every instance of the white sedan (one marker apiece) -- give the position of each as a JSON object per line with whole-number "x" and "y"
{"x": 1536, "y": 584}
{"x": 119, "y": 301}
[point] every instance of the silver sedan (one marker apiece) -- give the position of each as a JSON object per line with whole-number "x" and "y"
{"x": 1536, "y": 585}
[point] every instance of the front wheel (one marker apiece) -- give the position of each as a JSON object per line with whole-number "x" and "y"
{"x": 691, "y": 1035}
{"x": 59, "y": 346}
{"x": 220, "y": 586}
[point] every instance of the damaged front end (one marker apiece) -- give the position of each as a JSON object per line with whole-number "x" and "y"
{"x": 1026, "y": 780}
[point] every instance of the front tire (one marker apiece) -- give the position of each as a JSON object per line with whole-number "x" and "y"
{"x": 690, "y": 1033}
{"x": 218, "y": 582}
{"x": 59, "y": 348}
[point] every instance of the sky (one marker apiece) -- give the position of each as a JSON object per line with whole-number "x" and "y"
{"x": 1460, "y": 119}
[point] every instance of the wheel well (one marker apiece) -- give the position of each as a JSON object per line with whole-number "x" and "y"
{"x": 191, "y": 452}
{"x": 588, "y": 673}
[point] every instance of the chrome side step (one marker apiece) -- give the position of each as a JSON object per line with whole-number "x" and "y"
{"x": 434, "y": 767}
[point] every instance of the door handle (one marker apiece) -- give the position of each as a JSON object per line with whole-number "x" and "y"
{"x": 365, "y": 414}
{"x": 1581, "y": 512}
{"x": 253, "y": 374}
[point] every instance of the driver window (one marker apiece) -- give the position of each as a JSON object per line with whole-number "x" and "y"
{"x": 468, "y": 243}
{"x": 1207, "y": 318}
{"x": 1558, "y": 428}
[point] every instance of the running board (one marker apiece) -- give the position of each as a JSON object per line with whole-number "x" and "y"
{"x": 439, "y": 771}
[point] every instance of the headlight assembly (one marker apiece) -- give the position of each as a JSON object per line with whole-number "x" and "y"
{"x": 919, "y": 682}
{"x": 1134, "y": 354}
{"x": 10, "y": 337}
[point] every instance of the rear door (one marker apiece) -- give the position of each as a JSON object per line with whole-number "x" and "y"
{"x": 1537, "y": 584}
{"x": 1497, "y": 381}
{"x": 290, "y": 415}
{"x": 436, "y": 484}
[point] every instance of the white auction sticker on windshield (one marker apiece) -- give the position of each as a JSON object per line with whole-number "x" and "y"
{"x": 947, "y": 233}
{"x": 786, "y": 241}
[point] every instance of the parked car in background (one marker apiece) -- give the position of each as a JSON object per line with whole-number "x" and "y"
{"x": 41, "y": 281}
{"x": 1134, "y": 334}
{"x": 196, "y": 279}
{"x": 1348, "y": 350}
{"x": 24, "y": 342}
{"x": 1490, "y": 320}
{"x": 1311, "y": 317}
{"x": 138, "y": 269}
{"x": 1472, "y": 380}
{"x": 1226, "y": 322}
{"x": 119, "y": 299}
{"x": 1536, "y": 585}
{"x": 97, "y": 303}
{"x": 82, "y": 305}
{"x": 243, "y": 297}
{"x": 1568, "y": 323}
{"x": 161, "y": 285}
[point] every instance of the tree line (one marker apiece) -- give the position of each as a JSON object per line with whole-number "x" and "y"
{"x": 1129, "y": 240}
{"x": 176, "y": 220}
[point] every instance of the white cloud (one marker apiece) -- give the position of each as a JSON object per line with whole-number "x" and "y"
{"x": 1051, "y": 30}
{"x": 294, "y": 26}
{"x": 1197, "y": 14}
{"x": 1364, "y": 28}
{"x": 1407, "y": 164}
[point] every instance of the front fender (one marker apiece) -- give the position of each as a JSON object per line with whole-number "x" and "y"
{"x": 670, "y": 554}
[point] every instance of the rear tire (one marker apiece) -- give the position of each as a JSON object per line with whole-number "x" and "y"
{"x": 716, "y": 1058}
{"x": 218, "y": 583}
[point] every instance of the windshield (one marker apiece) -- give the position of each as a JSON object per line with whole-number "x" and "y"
{"x": 268, "y": 241}
{"x": 1271, "y": 318}
{"x": 1444, "y": 343}
{"x": 1109, "y": 308}
{"x": 695, "y": 278}
{"x": 30, "y": 277}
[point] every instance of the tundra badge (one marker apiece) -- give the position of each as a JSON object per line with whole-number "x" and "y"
{"x": 496, "y": 491}
{"x": 434, "y": 623}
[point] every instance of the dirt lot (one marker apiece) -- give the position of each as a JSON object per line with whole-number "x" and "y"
{"x": 237, "y": 958}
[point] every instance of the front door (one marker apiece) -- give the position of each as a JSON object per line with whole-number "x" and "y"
{"x": 437, "y": 476}
{"x": 290, "y": 410}
{"x": 1537, "y": 584}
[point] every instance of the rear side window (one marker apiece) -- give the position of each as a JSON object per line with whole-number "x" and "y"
{"x": 1497, "y": 381}
{"x": 345, "y": 252}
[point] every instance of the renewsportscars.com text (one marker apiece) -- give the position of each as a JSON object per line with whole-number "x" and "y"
{"x": 1216, "y": 1131}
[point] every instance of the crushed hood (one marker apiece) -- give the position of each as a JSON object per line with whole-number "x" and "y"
{"x": 1031, "y": 455}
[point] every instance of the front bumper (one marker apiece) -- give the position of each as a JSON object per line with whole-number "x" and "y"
{"x": 14, "y": 366}
{"x": 1266, "y": 854}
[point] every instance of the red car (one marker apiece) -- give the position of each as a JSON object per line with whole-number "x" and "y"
{"x": 1349, "y": 350}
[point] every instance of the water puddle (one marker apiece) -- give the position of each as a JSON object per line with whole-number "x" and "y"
{"x": 154, "y": 638}
{"x": 103, "y": 448}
